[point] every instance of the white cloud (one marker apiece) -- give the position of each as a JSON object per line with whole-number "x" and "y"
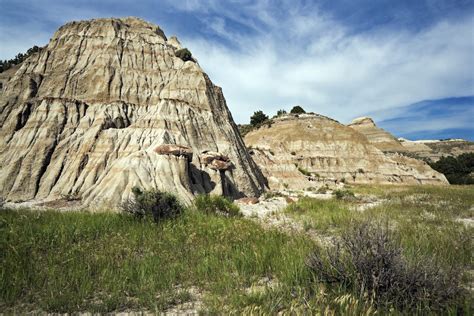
{"x": 309, "y": 59}
{"x": 297, "y": 54}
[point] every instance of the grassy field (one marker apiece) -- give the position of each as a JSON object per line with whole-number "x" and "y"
{"x": 71, "y": 261}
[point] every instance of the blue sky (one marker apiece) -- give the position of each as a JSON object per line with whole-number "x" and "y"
{"x": 407, "y": 63}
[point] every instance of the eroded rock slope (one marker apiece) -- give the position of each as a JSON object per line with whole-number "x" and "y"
{"x": 382, "y": 139}
{"x": 306, "y": 150}
{"x": 85, "y": 115}
{"x": 421, "y": 149}
{"x": 435, "y": 149}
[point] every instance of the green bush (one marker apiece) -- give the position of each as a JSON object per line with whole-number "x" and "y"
{"x": 368, "y": 260}
{"x": 281, "y": 112}
{"x": 217, "y": 205}
{"x": 258, "y": 118}
{"x": 297, "y": 110}
{"x": 153, "y": 203}
{"x": 244, "y": 129}
{"x": 322, "y": 189}
{"x": 304, "y": 171}
{"x": 458, "y": 169}
{"x": 342, "y": 194}
{"x": 184, "y": 54}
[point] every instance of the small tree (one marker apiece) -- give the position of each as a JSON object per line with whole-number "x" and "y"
{"x": 184, "y": 54}
{"x": 281, "y": 112}
{"x": 297, "y": 110}
{"x": 258, "y": 118}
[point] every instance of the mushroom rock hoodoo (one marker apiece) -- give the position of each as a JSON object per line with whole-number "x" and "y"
{"x": 107, "y": 106}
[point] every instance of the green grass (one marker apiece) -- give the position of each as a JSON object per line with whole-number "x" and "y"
{"x": 73, "y": 261}
{"x": 102, "y": 262}
{"x": 322, "y": 215}
{"x": 424, "y": 219}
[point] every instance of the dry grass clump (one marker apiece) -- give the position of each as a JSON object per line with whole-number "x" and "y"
{"x": 368, "y": 260}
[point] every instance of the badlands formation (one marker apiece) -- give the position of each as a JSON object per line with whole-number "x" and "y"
{"x": 435, "y": 149}
{"x": 303, "y": 151}
{"x": 380, "y": 138}
{"x": 423, "y": 149}
{"x": 107, "y": 105}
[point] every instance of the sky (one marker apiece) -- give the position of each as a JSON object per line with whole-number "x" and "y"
{"x": 409, "y": 64}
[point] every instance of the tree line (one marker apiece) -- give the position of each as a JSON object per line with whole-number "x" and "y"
{"x": 258, "y": 118}
{"x": 458, "y": 170}
{"x": 18, "y": 59}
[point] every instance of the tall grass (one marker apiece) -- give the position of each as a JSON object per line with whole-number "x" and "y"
{"x": 322, "y": 215}
{"x": 65, "y": 262}
{"x": 425, "y": 220}
{"x": 68, "y": 262}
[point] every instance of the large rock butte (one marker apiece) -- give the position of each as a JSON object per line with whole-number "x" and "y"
{"x": 304, "y": 150}
{"x": 84, "y": 116}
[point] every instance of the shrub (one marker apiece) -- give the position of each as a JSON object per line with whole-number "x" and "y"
{"x": 2, "y": 201}
{"x": 244, "y": 129}
{"x": 369, "y": 261}
{"x": 71, "y": 197}
{"x": 154, "y": 203}
{"x": 304, "y": 171}
{"x": 297, "y": 110}
{"x": 272, "y": 194}
{"x": 344, "y": 195}
{"x": 458, "y": 170}
{"x": 281, "y": 112}
{"x": 217, "y": 205}
{"x": 184, "y": 54}
{"x": 322, "y": 189}
{"x": 258, "y": 118}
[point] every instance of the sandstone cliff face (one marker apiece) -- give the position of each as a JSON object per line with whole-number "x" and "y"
{"x": 303, "y": 151}
{"x": 84, "y": 116}
{"x": 382, "y": 139}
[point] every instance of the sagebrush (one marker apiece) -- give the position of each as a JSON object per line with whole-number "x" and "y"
{"x": 153, "y": 203}
{"x": 369, "y": 260}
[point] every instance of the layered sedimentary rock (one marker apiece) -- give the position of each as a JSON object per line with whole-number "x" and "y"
{"x": 422, "y": 149}
{"x": 435, "y": 149}
{"x": 85, "y": 115}
{"x": 306, "y": 150}
{"x": 382, "y": 139}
